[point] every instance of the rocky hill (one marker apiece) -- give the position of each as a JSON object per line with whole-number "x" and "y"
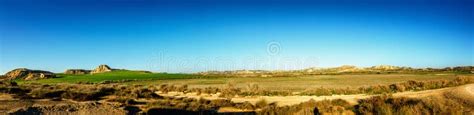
{"x": 77, "y": 71}
{"x": 27, "y": 74}
{"x": 101, "y": 69}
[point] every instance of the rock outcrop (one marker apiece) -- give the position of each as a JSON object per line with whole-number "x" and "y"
{"x": 35, "y": 76}
{"x": 102, "y": 69}
{"x": 27, "y": 74}
{"x": 77, "y": 71}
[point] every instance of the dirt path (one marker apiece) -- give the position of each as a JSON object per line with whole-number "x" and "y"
{"x": 470, "y": 89}
{"x": 467, "y": 92}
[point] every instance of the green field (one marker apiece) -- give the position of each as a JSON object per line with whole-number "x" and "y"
{"x": 112, "y": 76}
{"x": 270, "y": 83}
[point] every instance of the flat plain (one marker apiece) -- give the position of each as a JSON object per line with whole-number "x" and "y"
{"x": 268, "y": 83}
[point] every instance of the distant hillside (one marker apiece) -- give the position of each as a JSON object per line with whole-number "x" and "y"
{"x": 345, "y": 69}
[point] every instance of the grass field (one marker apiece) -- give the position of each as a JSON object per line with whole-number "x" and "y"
{"x": 111, "y": 76}
{"x": 268, "y": 83}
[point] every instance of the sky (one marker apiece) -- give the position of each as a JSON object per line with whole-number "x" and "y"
{"x": 184, "y": 36}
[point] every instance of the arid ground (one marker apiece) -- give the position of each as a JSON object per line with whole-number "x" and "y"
{"x": 142, "y": 92}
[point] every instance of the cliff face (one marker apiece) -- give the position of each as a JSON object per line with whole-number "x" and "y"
{"x": 101, "y": 69}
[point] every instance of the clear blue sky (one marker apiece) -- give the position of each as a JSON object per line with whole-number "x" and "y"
{"x": 196, "y": 35}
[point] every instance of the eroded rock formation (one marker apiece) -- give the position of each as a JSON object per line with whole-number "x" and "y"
{"x": 101, "y": 69}
{"x": 27, "y": 74}
{"x": 77, "y": 71}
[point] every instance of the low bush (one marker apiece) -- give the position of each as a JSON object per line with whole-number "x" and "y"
{"x": 401, "y": 105}
{"x": 230, "y": 91}
{"x": 71, "y": 92}
{"x": 261, "y": 103}
{"x": 245, "y": 105}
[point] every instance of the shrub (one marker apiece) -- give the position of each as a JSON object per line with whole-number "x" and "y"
{"x": 221, "y": 103}
{"x": 229, "y": 91}
{"x": 75, "y": 92}
{"x": 245, "y": 105}
{"x": 401, "y": 105}
{"x": 41, "y": 93}
{"x": 253, "y": 88}
{"x": 210, "y": 90}
{"x": 261, "y": 103}
{"x": 182, "y": 88}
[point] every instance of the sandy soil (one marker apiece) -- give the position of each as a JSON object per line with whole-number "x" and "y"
{"x": 470, "y": 89}
{"x": 465, "y": 93}
{"x": 469, "y": 95}
{"x": 280, "y": 100}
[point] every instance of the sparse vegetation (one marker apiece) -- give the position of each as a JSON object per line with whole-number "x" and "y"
{"x": 408, "y": 106}
{"x": 129, "y": 96}
{"x": 96, "y": 91}
{"x": 378, "y": 105}
{"x": 393, "y": 88}
{"x": 74, "y": 92}
{"x": 230, "y": 90}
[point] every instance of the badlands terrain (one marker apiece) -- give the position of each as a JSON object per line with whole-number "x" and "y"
{"x": 340, "y": 90}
